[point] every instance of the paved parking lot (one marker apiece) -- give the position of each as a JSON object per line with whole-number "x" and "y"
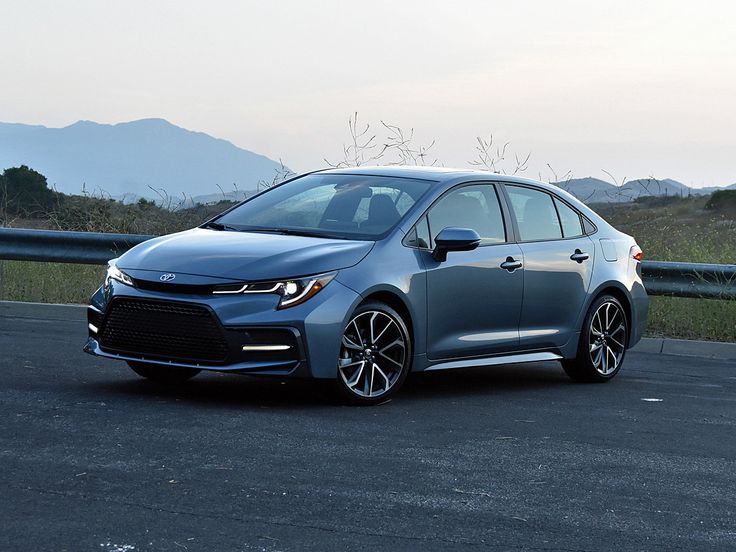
{"x": 511, "y": 458}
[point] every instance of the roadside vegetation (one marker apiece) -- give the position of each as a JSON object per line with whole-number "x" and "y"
{"x": 27, "y": 202}
{"x": 690, "y": 229}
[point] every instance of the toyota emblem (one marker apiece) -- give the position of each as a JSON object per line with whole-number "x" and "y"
{"x": 167, "y": 277}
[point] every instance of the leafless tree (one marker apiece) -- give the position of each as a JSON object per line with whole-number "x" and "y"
{"x": 362, "y": 149}
{"x": 492, "y": 158}
{"x": 397, "y": 148}
{"x": 403, "y": 144}
{"x": 280, "y": 174}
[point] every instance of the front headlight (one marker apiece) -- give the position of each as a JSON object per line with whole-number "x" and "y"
{"x": 295, "y": 292}
{"x": 114, "y": 273}
{"x": 292, "y": 292}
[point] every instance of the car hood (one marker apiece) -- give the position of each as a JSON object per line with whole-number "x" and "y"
{"x": 248, "y": 256}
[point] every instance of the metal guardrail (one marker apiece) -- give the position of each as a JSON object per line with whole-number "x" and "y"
{"x": 711, "y": 281}
{"x": 20, "y": 244}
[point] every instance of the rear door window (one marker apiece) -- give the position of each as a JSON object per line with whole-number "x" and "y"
{"x": 535, "y": 213}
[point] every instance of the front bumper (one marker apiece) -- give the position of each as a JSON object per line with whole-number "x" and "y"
{"x": 271, "y": 368}
{"x": 316, "y": 327}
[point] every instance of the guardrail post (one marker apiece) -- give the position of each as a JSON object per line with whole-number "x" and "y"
{"x": 2, "y": 279}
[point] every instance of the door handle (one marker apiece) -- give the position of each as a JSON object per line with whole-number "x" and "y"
{"x": 510, "y": 264}
{"x": 579, "y": 256}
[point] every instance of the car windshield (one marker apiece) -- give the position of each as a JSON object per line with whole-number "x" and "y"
{"x": 329, "y": 205}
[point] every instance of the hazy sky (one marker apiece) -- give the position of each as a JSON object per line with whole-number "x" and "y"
{"x": 637, "y": 88}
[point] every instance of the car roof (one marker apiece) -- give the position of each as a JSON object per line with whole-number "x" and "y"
{"x": 435, "y": 174}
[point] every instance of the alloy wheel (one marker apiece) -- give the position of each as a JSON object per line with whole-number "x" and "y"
{"x": 607, "y": 338}
{"x": 373, "y": 354}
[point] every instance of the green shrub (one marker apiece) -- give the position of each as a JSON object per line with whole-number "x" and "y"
{"x": 24, "y": 193}
{"x": 723, "y": 201}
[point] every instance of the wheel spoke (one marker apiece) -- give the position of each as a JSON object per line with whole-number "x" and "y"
{"x": 398, "y": 342}
{"x": 598, "y": 358}
{"x": 369, "y": 382}
{"x": 595, "y": 346}
{"x": 383, "y": 331}
{"x": 596, "y": 331}
{"x": 357, "y": 333}
{"x": 350, "y": 344}
{"x": 371, "y": 326}
{"x": 616, "y": 314}
{"x": 356, "y": 376}
{"x": 604, "y": 360}
{"x": 377, "y": 368}
{"x": 616, "y": 341}
{"x": 609, "y": 351}
{"x": 396, "y": 362}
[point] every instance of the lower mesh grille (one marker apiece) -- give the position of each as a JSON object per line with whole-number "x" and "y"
{"x": 174, "y": 331}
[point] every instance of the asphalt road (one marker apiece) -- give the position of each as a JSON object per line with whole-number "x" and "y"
{"x": 512, "y": 458}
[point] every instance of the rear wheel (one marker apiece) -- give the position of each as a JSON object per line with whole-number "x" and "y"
{"x": 375, "y": 355}
{"x": 602, "y": 344}
{"x": 163, "y": 374}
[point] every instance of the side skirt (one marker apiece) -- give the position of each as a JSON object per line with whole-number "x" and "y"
{"x": 494, "y": 360}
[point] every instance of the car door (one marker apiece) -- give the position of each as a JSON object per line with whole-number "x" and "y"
{"x": 558, "y": 265}
{"x": 473, "y": 303}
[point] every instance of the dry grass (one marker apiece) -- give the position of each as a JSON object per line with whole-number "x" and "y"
{"x": 49, "y": 282}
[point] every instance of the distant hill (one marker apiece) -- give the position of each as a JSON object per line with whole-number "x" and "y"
{"x": 654, "y": 187}
{"x": 594, "y": 190}
{"x": 126, "y": 158}
{"x": 590, "y": 190}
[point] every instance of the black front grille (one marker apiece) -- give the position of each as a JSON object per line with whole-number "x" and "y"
{"x": 163, "y": 330}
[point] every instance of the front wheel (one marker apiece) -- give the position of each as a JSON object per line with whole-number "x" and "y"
{"x": 375, "y": 355}
{"x": 602, "y": 342}
{"x": 163, "y": 374}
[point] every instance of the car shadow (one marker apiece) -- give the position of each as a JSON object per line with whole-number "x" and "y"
{"x": 225, "y": 390}
{"x": 229, "y": 390}
{"x": 507, "y": 379}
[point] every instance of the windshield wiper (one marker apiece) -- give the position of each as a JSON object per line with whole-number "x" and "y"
{"x": 286, "y": 232}
{"x": 217, "y": 226}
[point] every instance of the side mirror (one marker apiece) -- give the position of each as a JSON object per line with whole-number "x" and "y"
{"x": 454, "y": 239}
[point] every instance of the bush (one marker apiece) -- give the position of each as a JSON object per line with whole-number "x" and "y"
{"x": 723, "y": 201}
{"x": 24, "y": 193}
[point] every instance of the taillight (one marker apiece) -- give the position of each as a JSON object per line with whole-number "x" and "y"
{"x": 636, "y": 253}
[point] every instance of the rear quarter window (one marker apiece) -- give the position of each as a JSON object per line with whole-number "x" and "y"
{"x": 569, "y": 220}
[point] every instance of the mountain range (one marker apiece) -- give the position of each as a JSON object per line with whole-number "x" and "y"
{"x": 145, "y": 158}
{"x": 595, "y": 190}
{"x": 155, "y": 159}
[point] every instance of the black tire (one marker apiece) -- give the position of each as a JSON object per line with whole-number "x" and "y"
{"x": 602, "y": 343}
{"x": 163, "y": 374}
{"x": 390, "y": 362}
